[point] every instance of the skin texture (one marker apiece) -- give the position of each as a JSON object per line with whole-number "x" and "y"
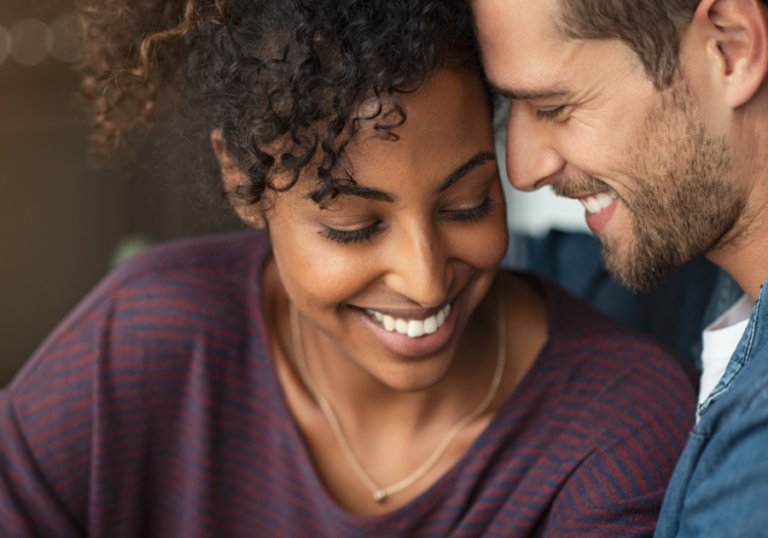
{"x": 677, "y": 166}
{"x": 394, "y": 409}
{"x": 687, "y": 162}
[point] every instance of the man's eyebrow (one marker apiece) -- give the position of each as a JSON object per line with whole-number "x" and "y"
{"x": 522, "y": 94}
{"x": 368, "y": 194}
{"x": 461, "y": 171}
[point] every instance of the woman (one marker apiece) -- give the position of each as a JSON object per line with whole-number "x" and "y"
{"x": 358, "y": 367}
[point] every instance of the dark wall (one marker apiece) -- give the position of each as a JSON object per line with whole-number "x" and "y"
{"x": 60, "y": 218}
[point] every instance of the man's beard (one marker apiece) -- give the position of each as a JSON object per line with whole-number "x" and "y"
{"x": 681, "y": 205}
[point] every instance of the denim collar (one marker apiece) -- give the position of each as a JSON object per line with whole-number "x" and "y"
{"x": 754, "y": 339}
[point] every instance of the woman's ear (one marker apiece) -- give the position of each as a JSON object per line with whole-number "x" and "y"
{"x": 233, "y": 178}
{"x": 230, "y": 174}
{"x": 737, "y": 34}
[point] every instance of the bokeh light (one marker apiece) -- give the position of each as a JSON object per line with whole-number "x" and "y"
{"x": 30, "y": 41}
{"x": 66, "y": 42}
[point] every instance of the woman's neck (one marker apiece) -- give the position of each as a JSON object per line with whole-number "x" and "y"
{"x": 393, "y": 432}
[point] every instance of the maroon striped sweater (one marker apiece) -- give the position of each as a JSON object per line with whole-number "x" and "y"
{"x": 154, "y": 411}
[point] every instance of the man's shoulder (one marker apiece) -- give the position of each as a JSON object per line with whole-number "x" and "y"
{"x": 721, "y": 484}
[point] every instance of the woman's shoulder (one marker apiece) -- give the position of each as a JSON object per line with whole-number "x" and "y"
{"x": 602, "y": 397}
{"x": 216, "y": 254}
{"x": 190, "y": 269}
{"x": 163, "y": 303}
{"x": 591, "y": 350}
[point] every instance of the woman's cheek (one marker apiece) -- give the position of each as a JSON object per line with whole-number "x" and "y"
{"x": 319, "y": 273}
{"x": 484, "y": 244}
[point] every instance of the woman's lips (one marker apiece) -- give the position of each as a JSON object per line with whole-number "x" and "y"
{"x": 414, "y": 326}
{"x": 399, "y": 343}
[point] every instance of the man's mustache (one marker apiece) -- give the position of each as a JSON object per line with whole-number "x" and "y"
{"x": 578, "y": 185}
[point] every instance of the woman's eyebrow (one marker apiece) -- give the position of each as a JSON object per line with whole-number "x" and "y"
{"x": 369, "y": 194}
{"x": 461, "y": 171}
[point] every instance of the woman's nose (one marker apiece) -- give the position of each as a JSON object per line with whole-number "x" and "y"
{"x": 532, "y": 159}
{"x": 420, "y": 269}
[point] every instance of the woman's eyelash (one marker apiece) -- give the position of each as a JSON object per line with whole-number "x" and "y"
{"x": 476, "y": 213}
{"x": 358, "y": 236}
{"x": 355, "y": 236}
{"x": 549, "y": 115}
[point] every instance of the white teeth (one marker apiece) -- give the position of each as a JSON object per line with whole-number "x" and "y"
{"x": 414, "y": 328}
{"x": 605, "y": 199}
{"x": 591, "y": 204}
{"x": 595, "y": 204}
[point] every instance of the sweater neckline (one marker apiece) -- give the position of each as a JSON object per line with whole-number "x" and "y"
{"x": 434, "y": 494}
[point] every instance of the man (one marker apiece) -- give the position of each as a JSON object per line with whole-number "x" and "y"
{"x": 654, "y": 113}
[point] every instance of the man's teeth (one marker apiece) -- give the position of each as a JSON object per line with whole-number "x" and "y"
{"x": 413, "y": 327}
{"x": 595, "y": 204}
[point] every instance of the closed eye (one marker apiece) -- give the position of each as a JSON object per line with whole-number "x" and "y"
{"x": 476, "y": 213}
{"x": 354, "y": 236}
{"x": 549, "y": 115}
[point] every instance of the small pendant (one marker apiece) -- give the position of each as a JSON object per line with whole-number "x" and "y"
{"x": 379, "y": 495}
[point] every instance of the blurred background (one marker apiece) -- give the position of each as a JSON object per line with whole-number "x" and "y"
{"x": 62, "y": 221}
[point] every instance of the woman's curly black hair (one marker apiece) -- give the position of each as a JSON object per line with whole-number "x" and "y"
{"x": 282, "y": 79}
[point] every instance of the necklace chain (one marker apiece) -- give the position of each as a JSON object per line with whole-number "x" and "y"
{"x": 379, "y": 493}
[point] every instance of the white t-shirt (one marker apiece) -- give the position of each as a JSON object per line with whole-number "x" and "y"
{"x": 720, "y": 341}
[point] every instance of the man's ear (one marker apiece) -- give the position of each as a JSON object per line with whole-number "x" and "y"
{"x": 233, "y": 177}
{"x": 737, "y": 44}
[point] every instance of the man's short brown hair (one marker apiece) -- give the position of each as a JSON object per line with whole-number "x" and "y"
{"x": 651, "y": 28}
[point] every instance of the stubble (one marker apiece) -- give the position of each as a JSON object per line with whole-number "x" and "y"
{"x": 681, "y": 203}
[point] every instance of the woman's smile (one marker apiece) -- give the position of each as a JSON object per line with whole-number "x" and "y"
{"x": 412, "y": 333}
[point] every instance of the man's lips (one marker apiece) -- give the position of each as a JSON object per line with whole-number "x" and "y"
{"x": 599, "y": 206}
{"x": 596, "y": 201}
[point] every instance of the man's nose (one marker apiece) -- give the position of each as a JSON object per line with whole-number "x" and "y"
{"x": 532, "y": 160}
{"x": 420, "y": 269}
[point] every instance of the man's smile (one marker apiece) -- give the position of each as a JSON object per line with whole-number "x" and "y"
{"x": 599, "y": 206}
{"x": 596, "y": 202}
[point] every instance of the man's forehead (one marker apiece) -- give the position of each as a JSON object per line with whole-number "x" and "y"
{"x": 522, "y": 20}
{"x": 525, "y": 52}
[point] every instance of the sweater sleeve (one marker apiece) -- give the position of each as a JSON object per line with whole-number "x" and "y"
{"x": 29, "y": 503}
{"x": 46, "y": 428}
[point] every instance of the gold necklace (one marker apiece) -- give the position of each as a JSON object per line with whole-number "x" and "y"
{"x": 379, "y": 494}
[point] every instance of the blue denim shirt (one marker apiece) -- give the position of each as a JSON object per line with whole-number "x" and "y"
{"x": 720, "y": 485}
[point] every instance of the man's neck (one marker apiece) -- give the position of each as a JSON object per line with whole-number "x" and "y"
{"x": 743, "y": 252}
{"x": 745, "y": 255}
